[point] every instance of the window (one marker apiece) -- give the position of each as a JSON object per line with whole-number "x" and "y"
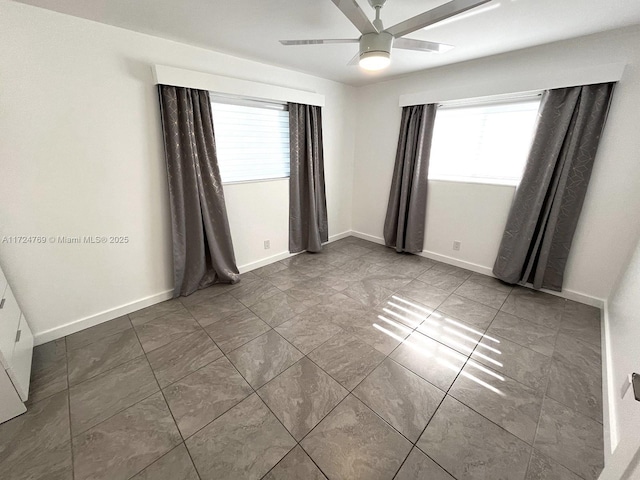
{"x": 252, "y": 139}
{"x": 483, "y": 143}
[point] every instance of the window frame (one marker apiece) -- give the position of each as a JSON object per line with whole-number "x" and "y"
{"x": 244, "y": 101}
{"x": 497, "y": 100}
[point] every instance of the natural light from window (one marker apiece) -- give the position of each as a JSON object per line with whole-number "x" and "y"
{"x": 483, "y": 143}
{"x": 252, "y": 139}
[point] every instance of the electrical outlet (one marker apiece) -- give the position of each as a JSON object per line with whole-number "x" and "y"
{"x": 267, "y": 244}
{"x": 456, "y": 245}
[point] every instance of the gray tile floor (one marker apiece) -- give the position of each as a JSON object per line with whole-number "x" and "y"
{"x": 355, "y": 363}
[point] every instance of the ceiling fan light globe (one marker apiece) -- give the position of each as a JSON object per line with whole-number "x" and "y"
{"x": 375, "y": 60}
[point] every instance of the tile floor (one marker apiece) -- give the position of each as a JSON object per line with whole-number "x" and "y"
{"x": 355, "y": 363}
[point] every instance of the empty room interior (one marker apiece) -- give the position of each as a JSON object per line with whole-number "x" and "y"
{"x": 320, "y": 239}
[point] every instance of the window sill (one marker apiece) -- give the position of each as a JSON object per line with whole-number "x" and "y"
{"x": 482, "y": 181}
{"x": 261, "y": 180}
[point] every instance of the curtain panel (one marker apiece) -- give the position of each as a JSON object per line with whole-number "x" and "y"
{"x": 308, "y": 227}
{"x": 202, "y": 248}
{"x": 405, "y": 220}
{"x": 544, "y": 214}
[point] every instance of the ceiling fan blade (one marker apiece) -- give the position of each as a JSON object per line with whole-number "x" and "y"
{"x": 355, "y": 60}
{"x": 421, "y": 45}
{"x": 319, "y": 42}
{"x": 356, "y": 15}
{"x": 434, "y": 15}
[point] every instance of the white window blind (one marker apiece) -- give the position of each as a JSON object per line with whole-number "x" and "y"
{"x": 252, "y": 139}
{"x": 483, "y": 143}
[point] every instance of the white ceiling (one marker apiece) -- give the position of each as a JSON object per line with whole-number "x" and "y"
{"x": 252, "y": 28}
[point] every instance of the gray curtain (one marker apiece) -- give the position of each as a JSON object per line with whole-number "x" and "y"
{"x": 307, "y": 198}
{"x": 543, "y": 218}
{"x": 202, "y": 249}
{"x": 407, "y": 207}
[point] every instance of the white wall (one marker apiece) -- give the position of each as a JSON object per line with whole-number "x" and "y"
{"x": 81, "y": 154}
{"x": 257, "y": 212}
{"x": 489, "y": 216}
{"x": 623, "y": 358}
{"x": 608, "y": 227}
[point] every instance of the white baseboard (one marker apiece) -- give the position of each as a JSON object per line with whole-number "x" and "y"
{"x": 621, "y": 455}
{"x": 608, "y": 387}
{"x": 577, "y": 297}
{"x": 568, "y": 294}
{"x": 92, "y": 320}
{"x": 340, "y": 236}
{"x": 366, "y": 236}
{"x": 104, "y": 316}
{"x": 474, "y": 267}
{"x": 247, "y": 267}
{"x": 432, "y": 255}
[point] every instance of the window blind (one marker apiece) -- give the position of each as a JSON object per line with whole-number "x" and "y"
{"x": 252, "y": 139}
{"x": 483, "y": 142}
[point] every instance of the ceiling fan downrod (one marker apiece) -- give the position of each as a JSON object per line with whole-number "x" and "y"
{"x": 377, "y": 5}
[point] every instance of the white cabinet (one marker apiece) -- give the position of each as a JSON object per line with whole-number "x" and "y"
{"x": 3, "y": 282}
{"x": 9, "y": 320}
{"x": 16, "y": 349}
{"x": 11, "y": 404}
{"x": 20, "y": 369}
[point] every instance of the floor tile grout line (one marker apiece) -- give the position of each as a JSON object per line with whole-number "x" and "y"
{"x": 447, "y": 393}
{"x": 540, "y": 416}
{"x": 254, "y": 390}
{"x": 29, "y": 402}
{"x": 73, "y": 469}
{"x": 557, "y": 461}
{"x": 161, "y": 316}
{"x": 349, "y": 391}
{"x": 263, "y": 403}
{"x": 415, "y": 444}
{"x": 546, "y": 393}
{"x": 574, "y": 410}
{"x": 109, "y": 369}
{"x": 316, "y": 426}
{"x": 526, "y": 320}
{"x": 106, "y": 371}
{"x": 229, "y": 314}
{"x": 531, "y": 445}
{"x": 115, "y": 413}
{"x": 234, "y": 367}
{"x": 170, "y": 413}
{"x": 520, "y": 345}
{"x": 219, "y": 416}
{"x": 188, "y": 373}
{"x": 144, "y": 352}
{"x": 111, "y": 416}
{"x": 68, "y": 392}
{"x": 242, "y": 345}
{"x": 96, "y": 340}
{"x": 478, "y": 413}
{"x": 161, "y": 457}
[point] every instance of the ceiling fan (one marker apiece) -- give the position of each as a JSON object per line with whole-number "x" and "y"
{"x": 376, "y": 41}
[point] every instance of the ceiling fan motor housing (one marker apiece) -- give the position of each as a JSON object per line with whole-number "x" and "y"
{"x": 375, "y": 42}
{"x": 377, "y": 3}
